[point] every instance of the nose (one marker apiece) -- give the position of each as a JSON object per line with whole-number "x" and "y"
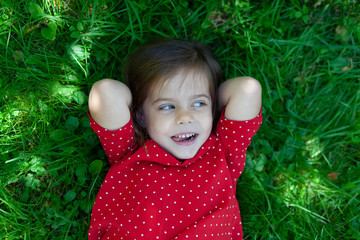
{"x": 184, "y": 116}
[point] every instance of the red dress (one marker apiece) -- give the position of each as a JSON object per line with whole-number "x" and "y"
{"x": 148, "y": 194}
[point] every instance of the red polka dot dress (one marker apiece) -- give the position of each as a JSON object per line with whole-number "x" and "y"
{"x": 148, "y": 194}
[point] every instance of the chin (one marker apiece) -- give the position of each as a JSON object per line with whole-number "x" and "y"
{"x": 184, "y": 156}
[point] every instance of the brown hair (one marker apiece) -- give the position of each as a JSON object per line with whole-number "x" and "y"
{"x": 159, "y": 60}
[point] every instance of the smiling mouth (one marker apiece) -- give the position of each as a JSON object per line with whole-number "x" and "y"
{"x": 181, "y": 138}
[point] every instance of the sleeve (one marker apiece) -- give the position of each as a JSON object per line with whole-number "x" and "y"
{"x": 235, "y": 137}
{"x": 118, "y": 143}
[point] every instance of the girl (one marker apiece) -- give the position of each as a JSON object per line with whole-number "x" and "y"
{"x": 171, "y": 175}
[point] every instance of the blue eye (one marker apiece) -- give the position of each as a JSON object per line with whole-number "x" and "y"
{"x": 166, "y": 107}
{"x": 199, "y": 104}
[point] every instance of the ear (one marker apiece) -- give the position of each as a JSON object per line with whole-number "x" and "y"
{"x": 140, "y": 118}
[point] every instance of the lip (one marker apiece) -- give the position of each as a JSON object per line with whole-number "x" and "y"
{"x": 185, "y": 139}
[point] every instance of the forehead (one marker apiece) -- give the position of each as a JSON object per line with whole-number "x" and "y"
{"x": 192, "y": 83}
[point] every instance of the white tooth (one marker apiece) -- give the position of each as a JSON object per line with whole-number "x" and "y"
{"x": 185, "y": 135}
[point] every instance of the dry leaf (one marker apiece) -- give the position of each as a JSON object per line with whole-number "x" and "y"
{"x": 333, "y": 176}
{"x": 347, "y": 68}
{"x": 17, "y": 55}
{"x": 29, "y": 29}
{"x": 318, "y": 3}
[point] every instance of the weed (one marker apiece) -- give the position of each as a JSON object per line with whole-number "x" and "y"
{"x": 302, "y": 174}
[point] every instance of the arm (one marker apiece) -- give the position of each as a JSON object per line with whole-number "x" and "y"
{"x": 241, "y": 98}
{"x": 109, "y": 103}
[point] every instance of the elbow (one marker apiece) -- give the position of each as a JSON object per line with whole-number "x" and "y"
{"x": 102, "y": 86}
{"x": 97, "y": 90}
{"x": 249, "y": 85}
{"x": 240, "y": 88}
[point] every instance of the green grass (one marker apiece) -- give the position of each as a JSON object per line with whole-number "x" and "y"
{"x": 302, "y": 176}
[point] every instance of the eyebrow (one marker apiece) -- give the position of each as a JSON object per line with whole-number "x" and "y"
{"x": 171, "y": 99}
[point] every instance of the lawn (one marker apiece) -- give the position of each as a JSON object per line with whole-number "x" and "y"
{"x": 302, "y": 177}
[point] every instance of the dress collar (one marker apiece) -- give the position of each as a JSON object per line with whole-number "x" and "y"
{"x": 152, "y": 152}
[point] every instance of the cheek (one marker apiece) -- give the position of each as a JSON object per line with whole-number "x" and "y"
{"x": 210, "y": 123}
{"x": 209, "y": 116}
{"x": 155, "y": 125}
{"x": 207, "y": 121}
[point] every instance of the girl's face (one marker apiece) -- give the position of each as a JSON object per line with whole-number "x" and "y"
{"x": 178, "y": 115}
